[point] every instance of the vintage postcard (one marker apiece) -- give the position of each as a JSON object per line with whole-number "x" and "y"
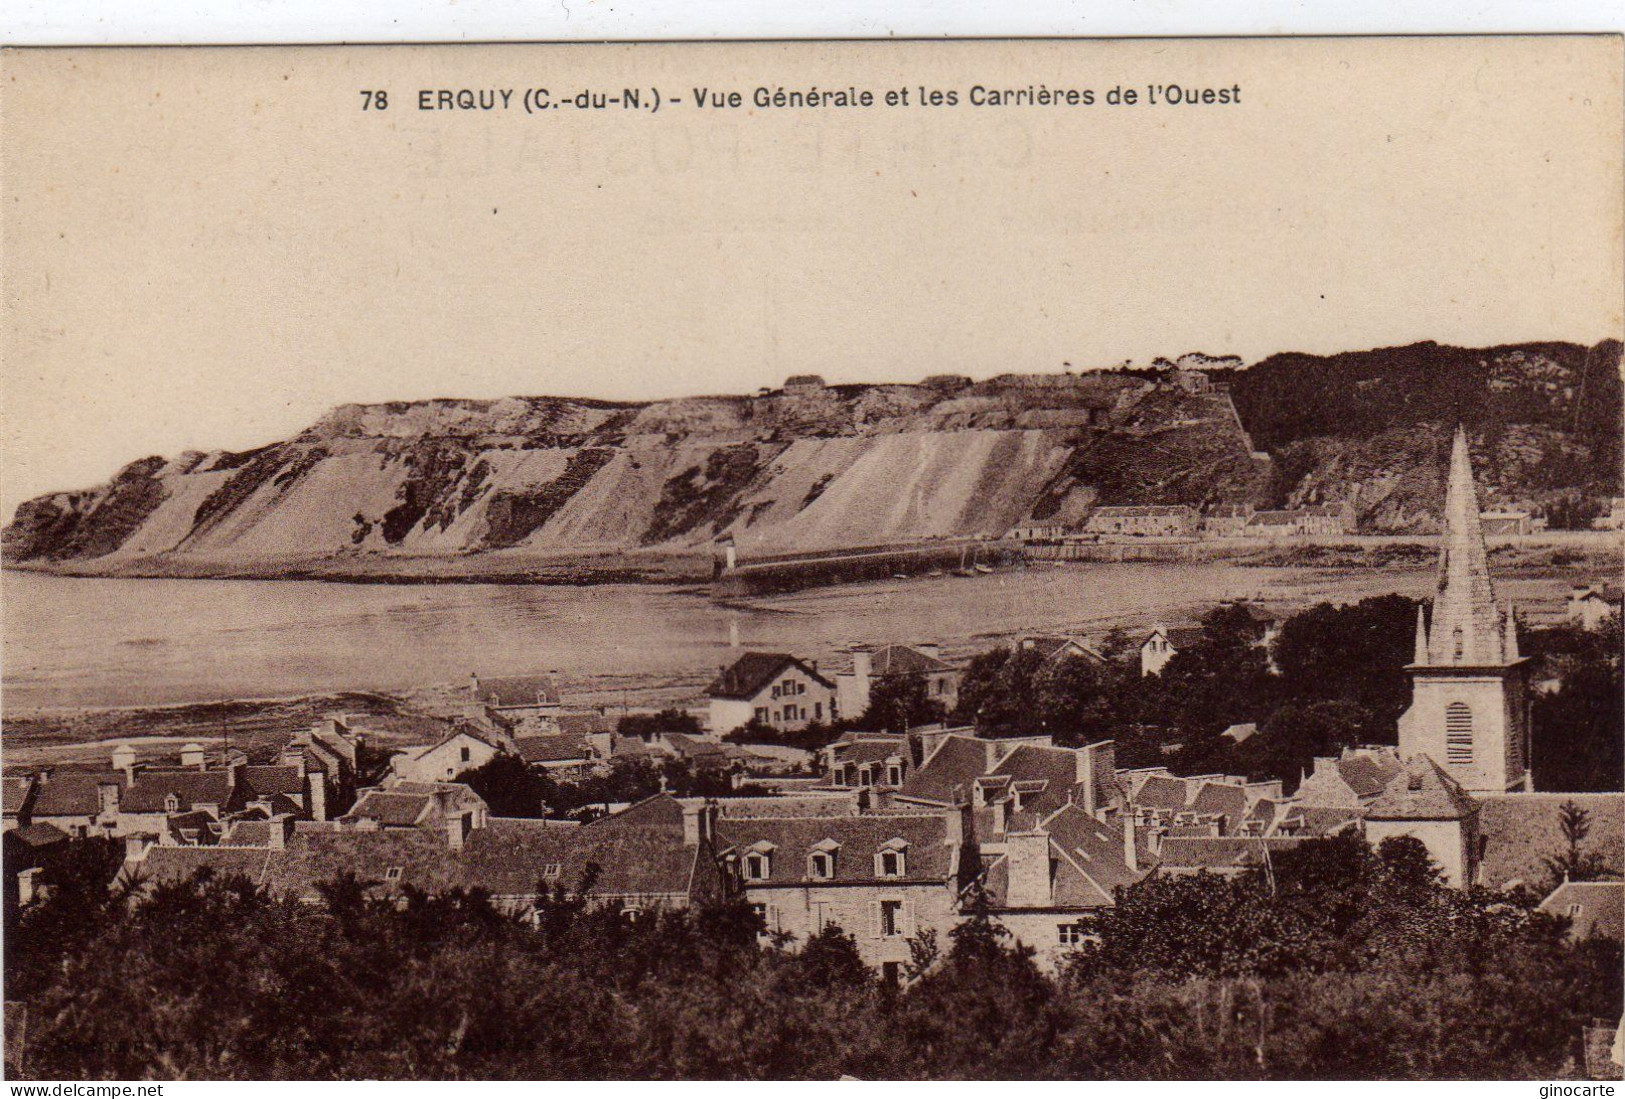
{"x": 886, "y": 560}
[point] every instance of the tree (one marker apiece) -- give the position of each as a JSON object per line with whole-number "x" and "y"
{"x": 1295, "y": 735}
{"x": 1573, "y": 863}
{"x": 897, "y": 703}
{"x": 669, "y": 720}
{"x": 1354, "y": 654}
{"x": 509, "y": 785}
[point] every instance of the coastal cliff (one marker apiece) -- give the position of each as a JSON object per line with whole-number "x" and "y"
{"x": 470, "y": 488}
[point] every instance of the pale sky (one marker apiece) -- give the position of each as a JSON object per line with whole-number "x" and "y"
{"x": 208, "y": 249}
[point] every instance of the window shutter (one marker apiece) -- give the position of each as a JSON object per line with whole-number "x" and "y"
{"x": 876, "y": 919}
{"x": 880, "y": 865}
{"x": 909, "y": 927}
{"x": 773, "y": 918}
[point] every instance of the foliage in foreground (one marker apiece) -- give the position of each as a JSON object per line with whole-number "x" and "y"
{"x": 1344, "y": 963}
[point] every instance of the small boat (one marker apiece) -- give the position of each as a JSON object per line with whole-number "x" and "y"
{"x": 984, "y": 569}
{"x": 934, "y": 572}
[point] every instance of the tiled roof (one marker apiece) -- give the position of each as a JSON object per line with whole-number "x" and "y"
{"x": 1324, "y": 820}
{"x": 152, "y": 789}
{"x": 585, "y": 723}
{"x": 167, "y": 865}
{"x": 1522, "y": 830}
{"x": 1219, "y": 852}
{"x": 505, "y": 858}
{"x": 1262, "y": 813}
{"x": 1596, "y": 908}
{"x": 15, "y": 792}
{"x": 928, "y": 857}
{"x": 552, "y": 749}
{"x": 265, "y": 781}
{"x": 74, "y": 793}
{"x": 518, "y": 690}
{"x": 1161, "y": 792}
{"x": 1420, "y": 792}
{"x": 391, "y": 809}
{"x": 40, "y": 835}
{"x": 248, "y": 833}
{"x": 746, "y": 677}
{"x": 869, "y": 751}
{"x": 955, "y": 764}
{"x": 812, "y": 805}
{"x": 1053, "y": 647}
{"x": 1180, "y": 637}
{"x": 905, "y": 660}
{"x": 1056, "y": 767}
{"x": 859, "y": 736}
{"x": 1368, "y": 775}
{"x": 1227, "y": 801}
{"x": 1097, "y": 846}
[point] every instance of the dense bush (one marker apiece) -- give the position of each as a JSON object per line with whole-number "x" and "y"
{"x": 1338, "y": 963}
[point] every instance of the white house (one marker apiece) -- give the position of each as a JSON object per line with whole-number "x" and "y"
{"x": 775, "y": 688}
{"x": 461, "y": 750}
{"x": 1160, "y": 646}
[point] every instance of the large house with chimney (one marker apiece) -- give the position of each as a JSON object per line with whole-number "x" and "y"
{"x": 776, "y": 689}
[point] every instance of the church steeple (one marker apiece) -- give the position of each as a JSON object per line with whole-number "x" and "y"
{"x": 1469, "y": 709}
{"x": 1466, "y": 624}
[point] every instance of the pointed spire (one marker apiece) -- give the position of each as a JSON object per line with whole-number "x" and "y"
{"x": 1466, "y": 626}
{"x": 1421, "y": 656}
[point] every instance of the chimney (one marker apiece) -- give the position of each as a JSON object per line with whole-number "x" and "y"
{"x": 698, "y": 817}
{"x": 192, "y": 756}
{"x": 316, "y": 799}
{"x": 863, "y": 663}
{"x": 1131, "y": 853}
{"x": 279, "y": 826}
{"x": 27, "y": 885}
{"x": 1000, "y": 811}
{"x": 961, "y": 825}
{"x": 457, "y": 829}
{"x": 135, "y": 847}
{"x": 1028, "y": 856}
{"x": 473, "y": 684}
{"x": 123, "y": 760}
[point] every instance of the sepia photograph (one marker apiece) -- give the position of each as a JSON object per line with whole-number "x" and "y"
{"x": 1042, "y": 559}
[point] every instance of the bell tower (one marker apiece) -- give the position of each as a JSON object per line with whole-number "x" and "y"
{"x": 1470, "y": 702}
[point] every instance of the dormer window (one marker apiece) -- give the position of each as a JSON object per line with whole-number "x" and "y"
{"x": 891, "y": 861}
{"x": 759, "y": 862}
{"x": 894, "y": 774}
{"x": 1460, "y": 640}
{"x": 821, "y": 863}
{"x": 551, "y": 870}
{"x": 172, "y": 804}
{"x": 393, "y": 874}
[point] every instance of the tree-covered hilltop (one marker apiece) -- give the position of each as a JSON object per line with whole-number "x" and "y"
{"x": 1343, "y": 963}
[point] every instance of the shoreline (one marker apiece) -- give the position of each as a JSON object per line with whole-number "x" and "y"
{"x": 693, "y": 570}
